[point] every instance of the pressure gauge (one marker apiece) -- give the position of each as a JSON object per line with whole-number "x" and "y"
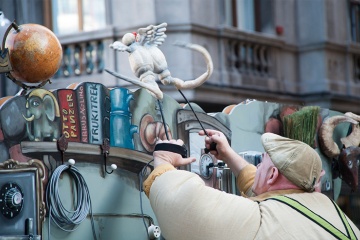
{"x": 206, "y": 165}
{"x": 11, "y": 200}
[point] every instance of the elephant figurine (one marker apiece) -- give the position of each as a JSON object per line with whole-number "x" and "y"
{"x": 42, "y": 120}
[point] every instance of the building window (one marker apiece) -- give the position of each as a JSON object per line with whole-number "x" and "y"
{"x": 230, "y": 13}
{"x": 246, "y": 15}
{"x": 356, "y": 62}
{"x": 355, "y": 20}
{"x": 250, "y": 15}
{"x": 71, "y": 16}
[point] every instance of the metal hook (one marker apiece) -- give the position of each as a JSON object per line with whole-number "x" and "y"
{"x": 62, "y": 145}
{"x": 113, "y": 167}
{"x": 105, "y": 149}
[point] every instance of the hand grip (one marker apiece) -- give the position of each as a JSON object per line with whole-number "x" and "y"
{"x": 212, "y": 147}
{"x": 171, "y": 148}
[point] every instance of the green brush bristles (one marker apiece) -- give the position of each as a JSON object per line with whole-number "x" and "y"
{"x": 301, "y": 125}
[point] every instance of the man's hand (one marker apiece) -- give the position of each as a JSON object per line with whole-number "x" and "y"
{"x": 175, "y": 159}
{"x": 224, "y": 151}
{"x": 222, "y": 144}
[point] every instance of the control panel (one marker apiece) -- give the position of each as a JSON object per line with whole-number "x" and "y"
{"x": 17, "y": 202}
{"x": 11, "y": 200}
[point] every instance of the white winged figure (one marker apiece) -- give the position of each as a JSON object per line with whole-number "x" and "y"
{"x": 148, "y": 63}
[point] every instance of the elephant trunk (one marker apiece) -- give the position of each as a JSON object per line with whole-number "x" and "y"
{"x": 190, "y": 84}
{"x": 28, "y": 126}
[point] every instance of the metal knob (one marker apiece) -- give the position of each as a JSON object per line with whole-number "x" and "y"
{"x": 13, "y": 198}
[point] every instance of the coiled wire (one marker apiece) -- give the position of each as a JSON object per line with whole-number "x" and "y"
{"x": 65, "y": 219}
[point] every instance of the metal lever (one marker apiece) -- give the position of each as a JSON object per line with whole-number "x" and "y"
{"x": 211, "y": 165}
{"x": 29, "y": 228}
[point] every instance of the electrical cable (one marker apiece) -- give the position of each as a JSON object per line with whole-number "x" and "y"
{"x": 163, "y": 119}
{"x": 141, "y": 175}
{"x": 187, "y": 101}
{"x": 213, "y": 144}
{"x": 68, "y": 220}
{"x": 129, "y": 215}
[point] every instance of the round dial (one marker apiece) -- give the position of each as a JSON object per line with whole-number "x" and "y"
{"x": 206, "y": 161}
{"x": 11, "y": 200}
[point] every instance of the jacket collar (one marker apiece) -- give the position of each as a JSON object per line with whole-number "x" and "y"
{"x": 270, "y": 194}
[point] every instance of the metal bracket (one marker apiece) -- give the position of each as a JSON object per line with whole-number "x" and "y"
{"x": 105, "y": 147}
{"x": 62, "y": 145}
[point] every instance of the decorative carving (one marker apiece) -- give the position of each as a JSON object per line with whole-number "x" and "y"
{"x": 148, "y": 63}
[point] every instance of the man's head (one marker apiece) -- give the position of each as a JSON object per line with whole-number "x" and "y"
{"x": 295, "y": 160}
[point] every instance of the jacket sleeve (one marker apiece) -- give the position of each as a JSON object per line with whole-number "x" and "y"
{"x": 245, "y": 180}
{"x": 154, "y": 174}
{"x": 187, "y": 209}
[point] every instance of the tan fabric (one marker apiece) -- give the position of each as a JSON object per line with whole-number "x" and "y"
{"x": 187, "y": 209}
{"x": 296, "y": 160}
{"x": 245, "y": 180}
{"x": 157, "y": 172}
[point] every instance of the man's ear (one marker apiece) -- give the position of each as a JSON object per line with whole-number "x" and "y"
{"x": 273, "y": 176}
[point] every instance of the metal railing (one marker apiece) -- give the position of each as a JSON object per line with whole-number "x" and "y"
{"x": 248, "y": 58}
{"x": 82, "y": 58}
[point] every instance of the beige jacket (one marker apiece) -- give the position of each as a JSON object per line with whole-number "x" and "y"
{"x": 187, "y": 209}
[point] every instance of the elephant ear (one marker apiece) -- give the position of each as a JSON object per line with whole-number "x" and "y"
{"x": 49, "y": 106}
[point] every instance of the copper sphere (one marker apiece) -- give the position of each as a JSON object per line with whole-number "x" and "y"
{"x": 35, "y": 53}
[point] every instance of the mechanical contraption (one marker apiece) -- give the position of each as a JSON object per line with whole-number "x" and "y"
{"x": 72, "y": 160}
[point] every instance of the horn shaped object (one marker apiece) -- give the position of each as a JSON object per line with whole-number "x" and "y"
{"x": 326, "y": 141}
{"x": 353, "y": 139}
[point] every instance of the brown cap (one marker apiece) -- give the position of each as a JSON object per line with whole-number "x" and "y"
{"x": 296, "y": 160}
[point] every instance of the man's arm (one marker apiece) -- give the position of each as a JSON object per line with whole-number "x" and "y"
{"x": 187, "y": 209}
{"x": 243, "y": 171}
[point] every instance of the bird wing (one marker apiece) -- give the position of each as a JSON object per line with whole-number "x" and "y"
{"x": 119, "y": 46}
{"x": 152, "y": 35}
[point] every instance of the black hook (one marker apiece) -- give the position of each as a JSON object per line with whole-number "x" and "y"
{"x": 113, "y": 167}
{"x": 105, "y": 149}
{"x": 62, "y": 145}
{"x": 105, "y": 168}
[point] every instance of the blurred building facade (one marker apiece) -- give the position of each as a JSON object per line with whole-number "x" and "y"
{"x": 302, "y": 52}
